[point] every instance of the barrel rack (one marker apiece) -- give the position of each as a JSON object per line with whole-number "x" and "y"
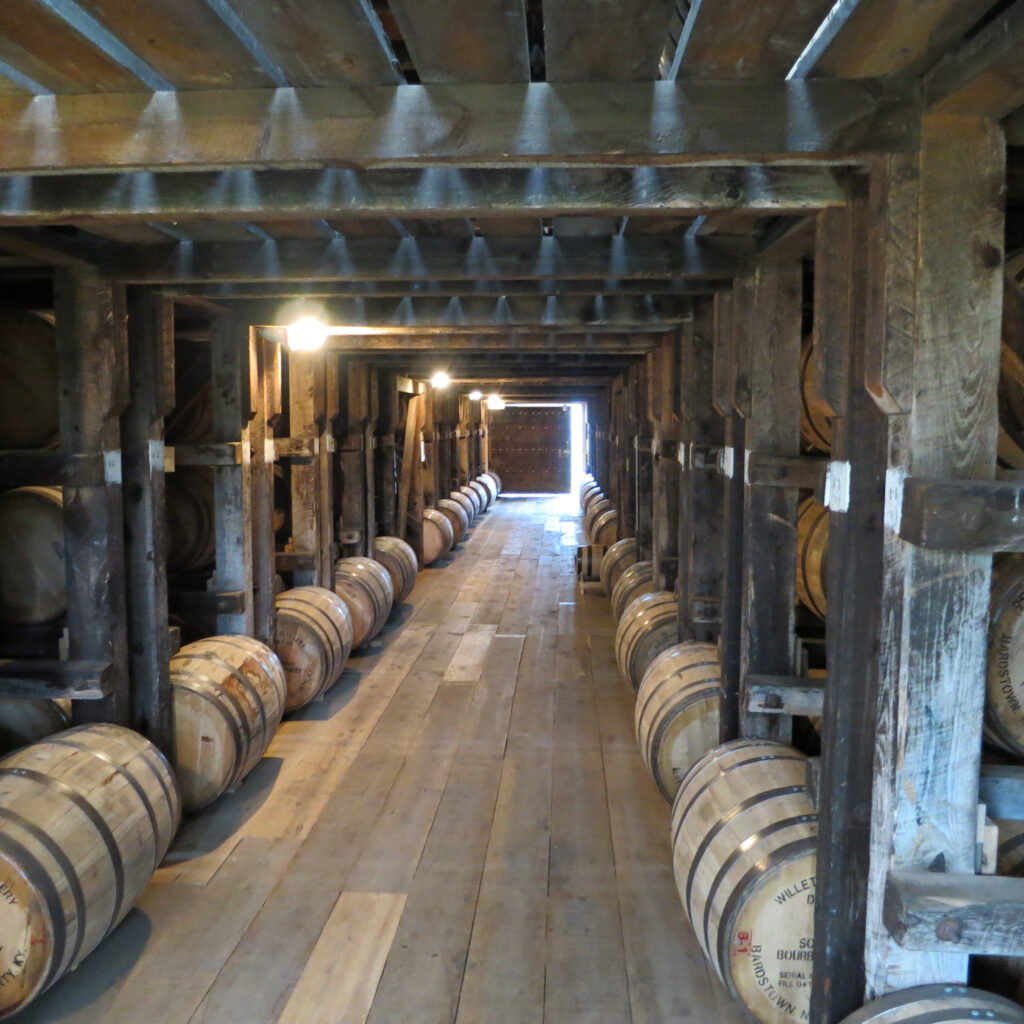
{"x": 700, "y": 450}
{"x": 350, "y": 467}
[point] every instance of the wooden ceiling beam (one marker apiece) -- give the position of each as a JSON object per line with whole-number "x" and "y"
{"x": 432, "y": 192}
{"x": 554, "y": 344}
{"x": 429, "y": 258}
{"x": 400, "y": 288}
{"x": 865, "y": 38}
{"x": 985, "y": 77}
{"x": 534, "y": 124}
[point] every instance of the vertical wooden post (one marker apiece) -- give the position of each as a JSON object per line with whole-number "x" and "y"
{"x": 356, "y": 460}
{"x": 700, "y": 489}
{"x": 773, "y": 427}
{"x": 664, "y": 414}
{"x": 305, "y": 379}
{"x": 384, "y": 454}
{"x": 264, "y": 366}
{"x": 432, "y": 400}
{"x": 410, "y": 493}
{"x": 151, "y": 391}
{"x": 934, "y": 634}
{"x": 232, "y": 484}
{"x": 92, "y": 356}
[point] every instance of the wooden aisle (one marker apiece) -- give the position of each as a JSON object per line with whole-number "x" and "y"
{"x": 461, "y": 831}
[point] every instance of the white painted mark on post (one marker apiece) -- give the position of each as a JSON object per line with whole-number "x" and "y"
{"x": 893, "y": 514}
{"x": 746, "y": 467}
{"x": 112, "y": 467}
{"x": 837, "y": 486}
{"x": 157, "y": 457}
{"x": 269, "y": 450}
{"x": 726, "y": 462}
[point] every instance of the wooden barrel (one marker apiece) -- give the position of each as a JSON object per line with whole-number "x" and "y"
{"x": 606, "y": 528}
{"x": 456, "y": 516}
{"x": 365, "y": 586}
{"x": 1011, "y": 365}
{"x": 497, "y": 479}
{"x": 400, "y": 561}
{"x": 87, "y": 815}
{"x": 482, "y": 493}
{"x": 1004, "y": 690}
{"x": 28, "y": 721}
{"x": 593, "y": 497}
{"x": 33, "y": 576}
{"x": 474, "y": 499}
{"x": 229, "y": 694}
{"x": 586, "y": 489}
{"x": 588, "y": 562}
{"x": 191, "y": 519}
{"x": 468, "y": 506}
{"x": 811, "y": 551}
{"x": 313, "y": 638}
{"x": 438, "y": 535}
{"x": 815, "y": 423}
{"x": 191, "y": 420}
{"x": 648, "y": 626}
{"x": 677, "y": 711}
{"x": 595, "y": 509}
{"x": 938, "y": 1004}
{"x": 29, "y": 410}
{"x": 489, "y": 486}
{"x": 618, "y": 558}
{"x": 743, "y": 852}
{"x": 637, "y": 579}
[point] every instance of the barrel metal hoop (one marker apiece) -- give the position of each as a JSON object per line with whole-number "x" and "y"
{"x": 273, "y": 671}
{"x": 98, "y": 822}
{"x": 762, "y": 867}
{"x": 656, "y": 736}
{"x": 247, "y": 686}
{"x": 74, "y": 882}
{"x": 719, "y": 774}
{"x": 103, "y": 756}
{"x": 178, "y": 678}
{"x": 724, "y": 819}
{"x": 43, "y": 884}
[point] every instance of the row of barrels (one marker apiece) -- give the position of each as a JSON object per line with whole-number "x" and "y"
{"x": 600, "y": 517}
{"x": 743, "y": 826}
{"x": 446, "y": 523}
{"x": 87, "y": 814}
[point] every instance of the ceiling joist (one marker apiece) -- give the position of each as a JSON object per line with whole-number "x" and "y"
{"x": 429, "y": 258}
{"x": 536, "y": 124}
{"x": 433, "y": 192}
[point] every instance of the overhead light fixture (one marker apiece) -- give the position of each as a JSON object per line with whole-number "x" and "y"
{"x": 475, "y": 396}
{"x": 495, "y": 402}
{"x": 305, "y": 335}
{"x": 440, "y": 380}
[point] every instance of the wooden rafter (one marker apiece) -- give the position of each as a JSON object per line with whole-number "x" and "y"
{"x": 451, "y": 192}
{"x": 536, "y": 124}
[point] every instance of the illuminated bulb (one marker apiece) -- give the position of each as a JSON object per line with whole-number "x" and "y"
{"x": 495, "y": 402}
{"x": 440, "y": 379}
{"x": 475, "y": 396}
{"x": 306, "y": 335}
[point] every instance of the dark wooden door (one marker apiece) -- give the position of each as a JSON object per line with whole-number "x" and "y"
{"x": 529, "y": 448}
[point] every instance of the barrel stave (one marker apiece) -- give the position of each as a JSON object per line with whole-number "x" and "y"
{"x": 438, "y": 536}
{"x": 456, "y": 516}
{"x": 938, "y": 1004}
{"x": 648, "y": 626}
{"x": 365, "y": 586}
{"x": 33, "y": 574}
{"x": 399, "y": 559}
{"x": 618, "y": 558}
{"x": 634, "y": 582}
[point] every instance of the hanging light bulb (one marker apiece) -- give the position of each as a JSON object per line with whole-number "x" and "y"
{"x": 475, "y": 395}
{"x": 306, "y": 335}
{"x": 440, "y": 380}
{"x": 495, "y": 402}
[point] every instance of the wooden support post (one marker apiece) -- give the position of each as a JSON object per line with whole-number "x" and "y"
{"x": 151, "y": 393}
{"x": 854, "y": 586}
{"x": 92, "y": 358}
{"x": 769, "y": 546}
{"x": 327, "y": 416}
{"x": 264, "y": 385}
{"x": 431, "y": 412}
{"x": 384, "y": 454}
{"x": 232, "y": 400}
{"x": 663, "y": 413}
{"x": 942, "y": 261}
{"x": 410, "y": 500}
{"x": 731, "y": 397}
{"x": 305, "y": 379}
{"x": 700, "y": 520}
{"x": 355, "y": 459}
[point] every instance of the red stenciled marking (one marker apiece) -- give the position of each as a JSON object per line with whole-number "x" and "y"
{"x": 742, "y": 944}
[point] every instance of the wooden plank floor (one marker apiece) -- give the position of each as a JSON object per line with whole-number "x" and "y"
{"x": 461, "y": 831}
